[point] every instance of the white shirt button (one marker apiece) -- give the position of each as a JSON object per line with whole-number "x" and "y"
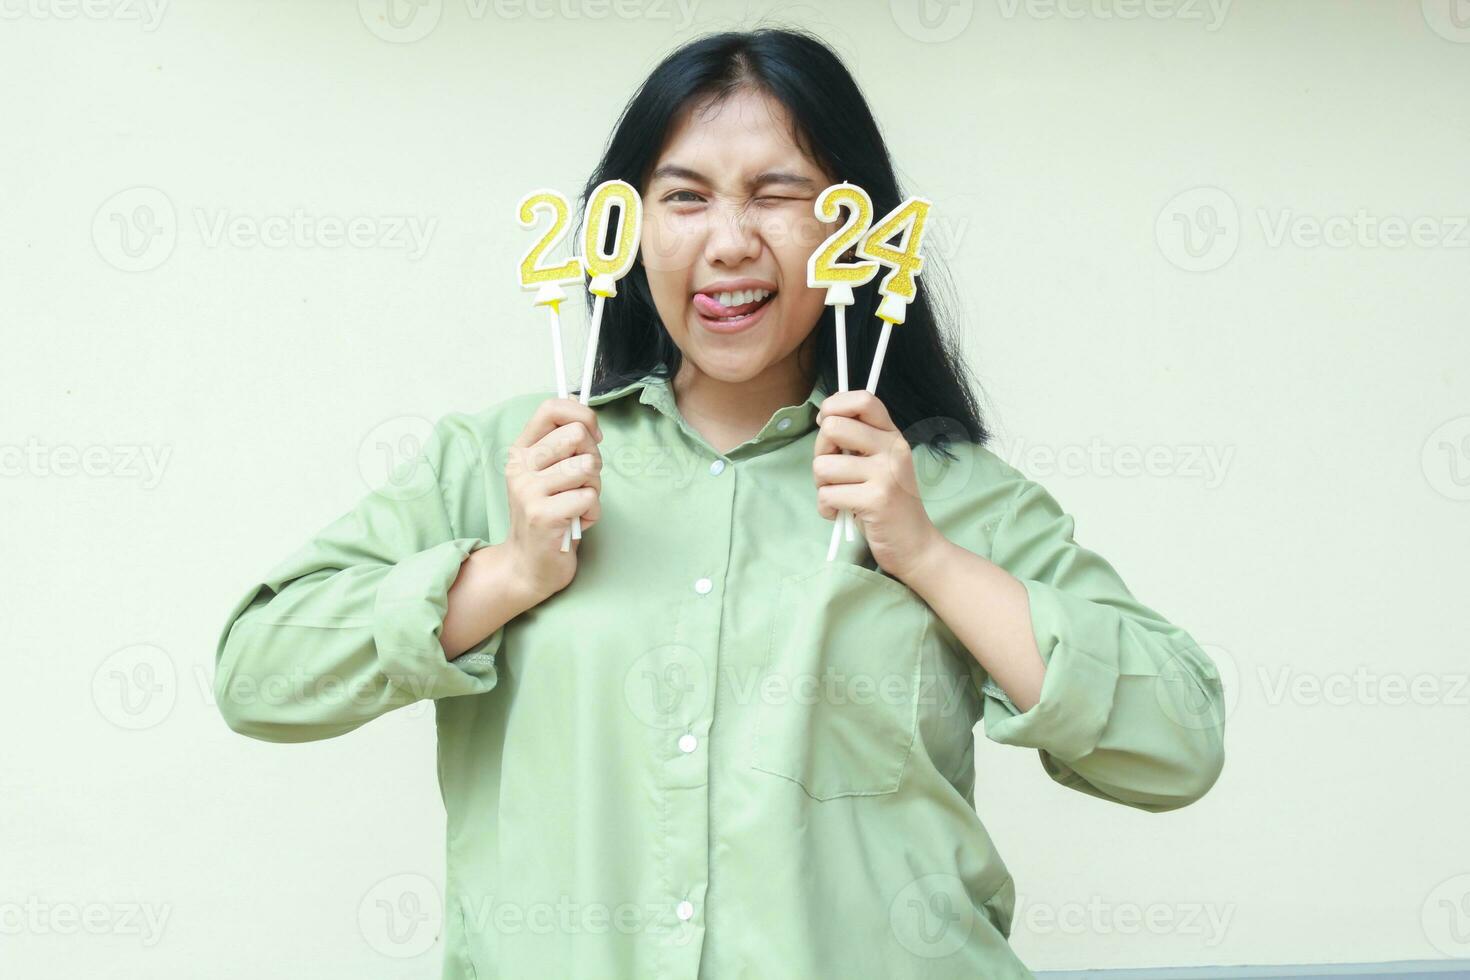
{"x": 784, "y": 424}
{"x": 685, "y": 910}
{"x": 702, "y": 586}
{"x": 717, "y": 467}
{"x": 687, "y": 743}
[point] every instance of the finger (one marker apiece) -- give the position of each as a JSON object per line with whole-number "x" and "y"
{"x": 560, "y": 443}
{"x": 843, "y": 496}
{"x": 859, "y": 404}
{"x": 837, "y": 468}
{"x": 560, "y": 508}
{"x": 553, "y": 413}
{"x": 582, "y": 470}
{"x": 838, "y": 432}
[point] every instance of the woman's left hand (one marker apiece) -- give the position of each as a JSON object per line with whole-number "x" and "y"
{"x": 878, "y": 484}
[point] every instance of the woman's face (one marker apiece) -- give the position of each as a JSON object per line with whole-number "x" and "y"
{"x": 727, "y": 229}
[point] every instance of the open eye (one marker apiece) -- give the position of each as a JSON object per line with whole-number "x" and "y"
{"x": 674, "y": 197}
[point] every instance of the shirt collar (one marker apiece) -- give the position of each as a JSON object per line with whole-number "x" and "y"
{"x": 789, "y": 422}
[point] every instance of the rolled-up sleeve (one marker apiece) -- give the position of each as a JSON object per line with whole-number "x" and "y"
{"x": 347, "y": 628}
{"x": 1131, "y": 709}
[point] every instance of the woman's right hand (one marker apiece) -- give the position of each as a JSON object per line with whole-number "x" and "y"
{"x": 552, "y": 474}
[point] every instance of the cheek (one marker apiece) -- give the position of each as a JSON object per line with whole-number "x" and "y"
{"x": 801, "y": 307}
{"x": 669, "y": 246}
{"x": 800, "y": 304}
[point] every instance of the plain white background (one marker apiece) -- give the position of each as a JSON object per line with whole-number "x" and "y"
{"x": 1211, "y": 263}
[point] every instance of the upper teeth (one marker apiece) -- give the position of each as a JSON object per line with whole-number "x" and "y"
{"x": 741, "y": 297}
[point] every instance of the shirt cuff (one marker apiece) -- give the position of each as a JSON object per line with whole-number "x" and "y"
{"x": 1078, "y": 689}
{"x": 408, "y": 614}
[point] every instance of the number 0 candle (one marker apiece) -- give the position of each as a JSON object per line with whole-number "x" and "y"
{"x": 606, "y": 268}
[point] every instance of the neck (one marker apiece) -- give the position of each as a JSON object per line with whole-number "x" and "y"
{"x": 727, "y": 413}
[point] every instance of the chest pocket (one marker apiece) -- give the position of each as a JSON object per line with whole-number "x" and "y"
{"x": 837, "y": 708}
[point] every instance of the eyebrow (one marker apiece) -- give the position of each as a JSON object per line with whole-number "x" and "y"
{"x": 672, "y": 171}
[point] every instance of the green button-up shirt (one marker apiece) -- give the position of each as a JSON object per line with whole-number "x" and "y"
{"x": 715, "y": 754}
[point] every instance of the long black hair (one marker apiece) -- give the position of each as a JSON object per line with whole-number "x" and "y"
{"x": 924, "y": 384}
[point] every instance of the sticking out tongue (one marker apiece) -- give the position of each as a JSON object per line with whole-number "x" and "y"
{"x": 707, "y": 305}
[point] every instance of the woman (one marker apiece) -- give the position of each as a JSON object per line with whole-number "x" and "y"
{"x": 690, "y": 745}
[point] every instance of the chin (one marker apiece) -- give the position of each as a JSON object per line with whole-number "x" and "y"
{"x": 731, "y": 367}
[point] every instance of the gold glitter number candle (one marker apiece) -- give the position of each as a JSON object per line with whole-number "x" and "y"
{"x": 825, "y": 269}
{"x": 547, "y": 280}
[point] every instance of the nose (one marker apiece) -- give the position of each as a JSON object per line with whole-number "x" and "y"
{"x": 732, "y": 240}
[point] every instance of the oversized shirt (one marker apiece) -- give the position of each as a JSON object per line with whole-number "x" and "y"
{"x": 716, "y": 754}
